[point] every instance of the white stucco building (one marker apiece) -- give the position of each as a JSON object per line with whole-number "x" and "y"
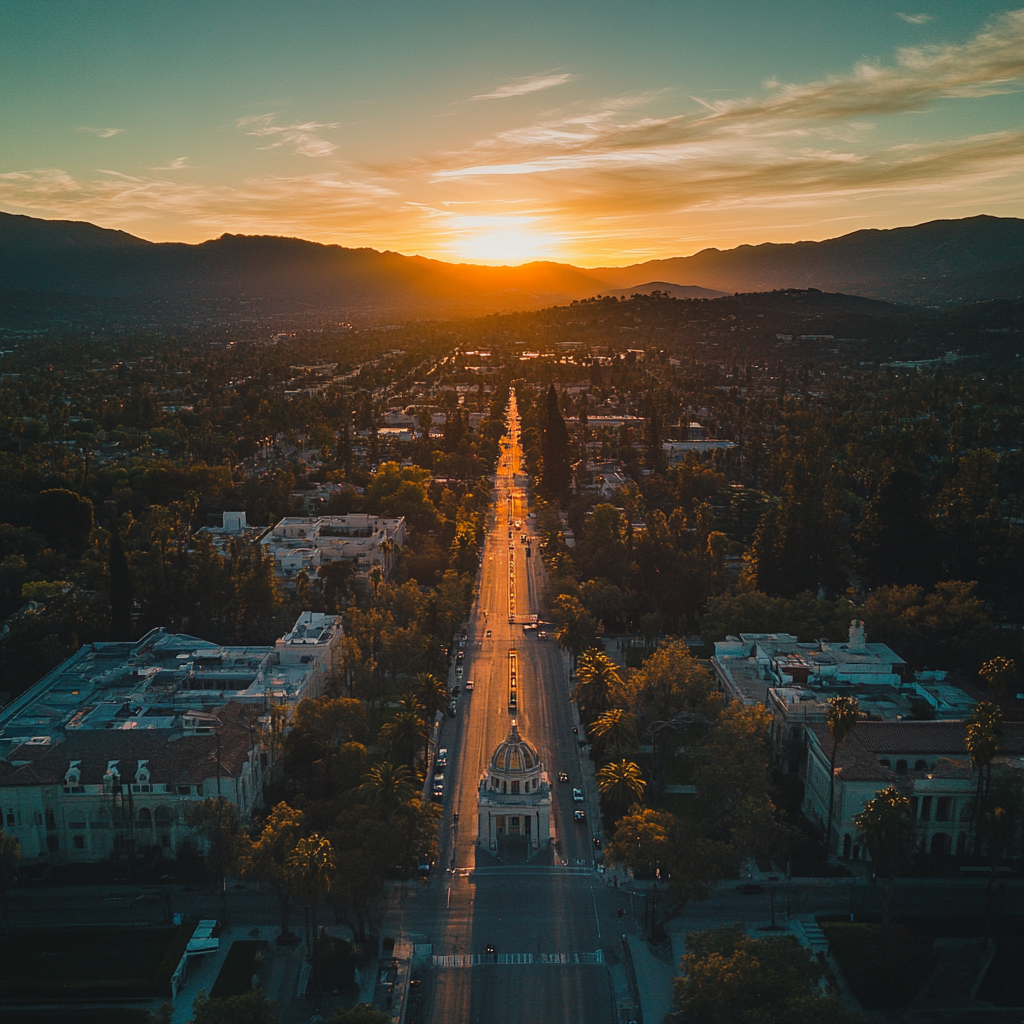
{"x": 515, "y": 797}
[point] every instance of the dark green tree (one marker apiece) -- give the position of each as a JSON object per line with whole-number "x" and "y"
{"x": 555, "y": 471}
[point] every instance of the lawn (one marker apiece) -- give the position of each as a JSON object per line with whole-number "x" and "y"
{"x": 244, "y": 959}
{"x": 1003, "y": 983}
{"x": 90, "y": 963}
{"x": 884, "y": 969}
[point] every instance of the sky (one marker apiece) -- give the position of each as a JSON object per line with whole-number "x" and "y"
{"x": 597, "y": 133}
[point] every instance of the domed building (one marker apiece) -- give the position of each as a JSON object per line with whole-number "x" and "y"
{"x": 515, "y": 798}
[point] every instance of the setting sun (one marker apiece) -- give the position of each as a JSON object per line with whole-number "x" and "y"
{"x": 502, "y": 240}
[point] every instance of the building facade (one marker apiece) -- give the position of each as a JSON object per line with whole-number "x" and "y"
{"x": 514, "y": 796}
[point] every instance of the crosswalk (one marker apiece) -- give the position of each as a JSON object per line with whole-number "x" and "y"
{"x": 516, "y": 959}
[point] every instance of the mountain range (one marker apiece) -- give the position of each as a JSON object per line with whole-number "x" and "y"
{"x": 940, "y": 262}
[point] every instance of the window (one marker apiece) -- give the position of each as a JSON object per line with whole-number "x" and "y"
{"x": 901, "y": 767}
{"x": 184, "y": 791}
{"x": 913, "y": 806}
{"x": 51, "y": 822}
{"x": 74, "y": 789}
{"x": 10, "y": 817}
{"x": 926, "y": 809}
{"x": 942, "y": 808}
{"x": 920, "y": 766}
{"x": 142, "y": 788}
{"x": 886, "y": 762}
{"x": 515, "y": 787}
{"x": 53, "y": 844}
{"x": 79, "y": 842}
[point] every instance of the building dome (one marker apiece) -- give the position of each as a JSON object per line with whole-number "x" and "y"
{"x": 514, "y": 756}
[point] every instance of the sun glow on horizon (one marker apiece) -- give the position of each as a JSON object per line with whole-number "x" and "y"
{"x": 502, "y": 240}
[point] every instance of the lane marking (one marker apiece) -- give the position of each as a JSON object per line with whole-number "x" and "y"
{"x": 516, "y": 959}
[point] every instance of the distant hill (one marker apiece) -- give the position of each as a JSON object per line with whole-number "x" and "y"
{"x": 939, "y": 262}
{"x": 942, "y": 261}
{"x": 677, "y": 291}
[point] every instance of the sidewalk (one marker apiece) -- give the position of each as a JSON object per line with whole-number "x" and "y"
{"x": 280, "y": 981}
{"x": 654, "y": 980}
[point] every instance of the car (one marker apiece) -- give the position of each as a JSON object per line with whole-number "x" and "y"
{"x": 541, "y": 635}
{"x": 441, "y": 758}
{"x": 597, "y": 842}
{"x": 563, "y": 777}
{"x": 453, "y": 709}
{"x": 469, "y": 685}
{"x": 519, "y": 524}
{"x": 577, "y": 795}
{"x": 522, "y": 538}
{"x": 437, "y": 793}
{"x": 459, "y": 670}
{"x": 488, "y": 634}
{"x": 489, "y": 948}
{"x": 580, "y": 815}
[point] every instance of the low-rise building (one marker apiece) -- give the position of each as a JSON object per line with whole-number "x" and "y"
{"x": 97, "y": 794}
{"x": 148, "y": 685}
{"x": 299, "y": 543}
{"x": 926, "y": 761}
{"x": 233, "y": 528}
{"x": 749, "y": 665}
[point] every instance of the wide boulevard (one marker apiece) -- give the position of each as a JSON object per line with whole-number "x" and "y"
{"x": 547, "y": 916}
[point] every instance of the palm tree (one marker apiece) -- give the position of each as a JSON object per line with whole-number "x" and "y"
{"x": 621, "y": 783}
{"x": 984, "y": 731}
{"x": 431, "y": 694}
{"x": 889, "y": 831}
{"x": 617, "y": 728}
{"x": 598, "y": 680}
{"x": 388, "y": 785}
{"x": 842, "y": 717}
{"x": 404, "y": 734}
{"x": 312, "y": 867}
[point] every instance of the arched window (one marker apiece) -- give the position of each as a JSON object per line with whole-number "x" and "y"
{"x": 144, "y": 818}
{"x": 515, "y": 788}
{"x": 920, "y": 766}
{"x": 901, "y": 767}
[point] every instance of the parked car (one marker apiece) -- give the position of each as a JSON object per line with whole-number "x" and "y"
{"x": 453, "y": 709}
{"x": 577, "y": 795}
{"x": 563, "y": 777}
{"x": 580, "y": 815}
{"x": 488, "y": 634}
{"x": 441, "y": 758}
{"x": 469, "y": 685}
{"x": 597, "y": 842}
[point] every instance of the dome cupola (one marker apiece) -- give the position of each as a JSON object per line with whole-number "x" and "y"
{"x": 514, "y": 756}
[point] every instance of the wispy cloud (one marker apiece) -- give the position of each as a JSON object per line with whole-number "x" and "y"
{"x": 524, "y": 86}
{"x": 302, "y": 137}
{"x": 103, "y": 133}
{"x": 175, "y": 165}
{"x": 914, "y": 19}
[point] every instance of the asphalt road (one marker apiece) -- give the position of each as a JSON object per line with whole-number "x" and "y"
{"x": 554, "y": 906}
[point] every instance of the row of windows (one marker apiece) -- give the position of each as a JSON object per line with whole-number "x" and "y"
{"x": 901, "y": 766}
{"x": 145, "y": 787}
{"x": 498, "y": 783}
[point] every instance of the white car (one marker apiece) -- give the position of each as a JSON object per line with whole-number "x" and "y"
{"x": 577, "y": 796}
{"x": 469, "y": 686}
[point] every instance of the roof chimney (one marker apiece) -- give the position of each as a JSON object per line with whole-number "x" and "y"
{"x": 857, "y": 643}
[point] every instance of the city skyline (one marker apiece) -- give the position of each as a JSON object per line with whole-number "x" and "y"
{"x": 476, "y": 133}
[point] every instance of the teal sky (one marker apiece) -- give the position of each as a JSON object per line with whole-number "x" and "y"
{"x": 500, "y": 132}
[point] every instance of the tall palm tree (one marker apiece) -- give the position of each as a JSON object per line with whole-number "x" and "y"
{"x": 621, "y": 783}
{"x": 982, "y": 736}
{"x": 404, "y": 734}
{"x": 388, "y": 785}
{"x": 617, "y": 728}
{"x": 889, "y": 831}
{"x": 313, "y": 867}
{"x": 842, "y": 718}
{"x": 598, "y": 680}
{"x": 431, "y": 694}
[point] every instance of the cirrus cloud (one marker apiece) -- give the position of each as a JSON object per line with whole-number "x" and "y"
{"x": 524, "y": 86}
{"x": 301, "y": 137}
